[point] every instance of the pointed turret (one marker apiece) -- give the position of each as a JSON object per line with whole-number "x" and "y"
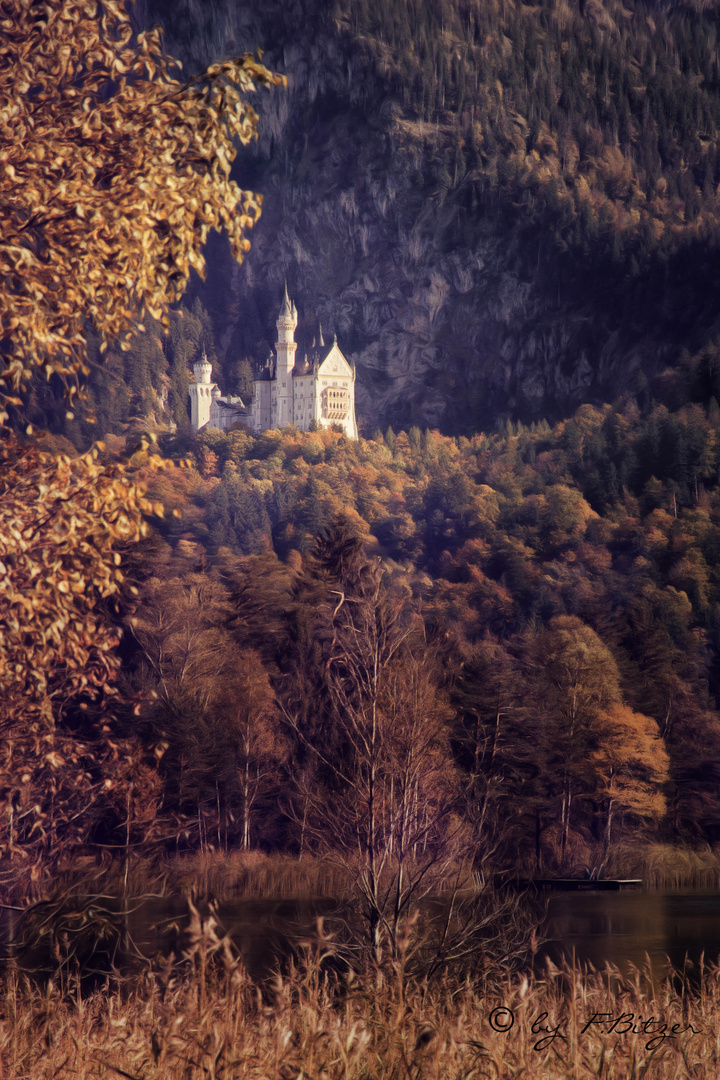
{"x": 287, "y": 309}
{"x": 285, "y": 346}
{"x": 201, "y": 392}
{"x": 321, "y": 340}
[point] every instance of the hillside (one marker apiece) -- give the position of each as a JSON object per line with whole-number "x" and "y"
{"x": 557, "y": 595}
{"x": 513, "y": 604}
{"x": 502, "y": 209}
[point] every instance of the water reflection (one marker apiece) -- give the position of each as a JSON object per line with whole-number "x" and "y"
{"x": 625, "y": 928}
{"x": 266, "y": 933}
{"x": 98, "y": 934}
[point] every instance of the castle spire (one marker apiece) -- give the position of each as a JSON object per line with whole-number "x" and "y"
{"x": 287, "y": 309}
{"x": 285, "y": 346}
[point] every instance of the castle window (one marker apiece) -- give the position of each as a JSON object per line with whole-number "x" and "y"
{"x": 335, "y": 404}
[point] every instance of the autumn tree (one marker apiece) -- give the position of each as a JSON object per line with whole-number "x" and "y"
{"x": 631, "y": 764}
{"x": 211, "y": 708}
{"x": 112, "y": 173}
{"x": 574, "y": 678}
{"x": 592, "y": 749}
{"x": 489, "y": 739}
{"x": 63, "y": 522}
{"x": 386, "y": 786}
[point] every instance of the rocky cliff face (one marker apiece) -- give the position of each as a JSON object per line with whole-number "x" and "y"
{"x": 468, "y": 285}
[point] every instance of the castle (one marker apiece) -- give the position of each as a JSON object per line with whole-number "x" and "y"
{"x": 208, "y": 407}
{"x": 318, "y": 391}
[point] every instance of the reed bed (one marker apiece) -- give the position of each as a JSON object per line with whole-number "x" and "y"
{"x": 664, "y": 866}
{"x": 255, "y": 876}
{"x": 213, "y": 1022}
{"x": 223, "y": 875}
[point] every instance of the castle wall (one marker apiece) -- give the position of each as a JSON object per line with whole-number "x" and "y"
{"x": 304, "y": 411}
{"x": 261, "y": 411}
{"x": 201, "y": 399}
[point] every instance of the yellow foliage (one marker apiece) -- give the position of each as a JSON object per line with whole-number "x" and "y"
{"x": 632, "y": 761}
{"x": 61, "y": 519}
{"x": 112, "y": 173}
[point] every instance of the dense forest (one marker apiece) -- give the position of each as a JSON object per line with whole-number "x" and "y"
{"x": 544, "y": 606}
{"x": 565, "y": 579}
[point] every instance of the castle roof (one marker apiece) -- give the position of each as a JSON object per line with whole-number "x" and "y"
{"x": 286, "y": 311}
{"x": 265, "y": 373}
{"x": 316, "y": 355}
{"x": 302, "y": 367}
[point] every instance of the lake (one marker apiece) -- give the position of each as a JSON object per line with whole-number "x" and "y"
{"x": 623, "y": 928}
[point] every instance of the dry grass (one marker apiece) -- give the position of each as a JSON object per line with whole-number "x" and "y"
{"x": 225, "y": 875}
{"x": 254, "y": 875}
{"x": 214, "y": 1023}
{"x": 233, "y": 875}
{"x": 663, "y": 866}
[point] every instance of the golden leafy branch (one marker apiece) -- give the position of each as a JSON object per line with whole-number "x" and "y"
{"x": 112, "y": 174}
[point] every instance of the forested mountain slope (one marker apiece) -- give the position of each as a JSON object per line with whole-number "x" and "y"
{"x": 503, "y": 209}
{"x": 562, "y": 586}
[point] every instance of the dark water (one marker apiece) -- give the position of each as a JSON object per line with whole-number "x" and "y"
{"x": 266, "y": 933}
{"x": 627, "y": 928}
{"x": 624, "y": 929}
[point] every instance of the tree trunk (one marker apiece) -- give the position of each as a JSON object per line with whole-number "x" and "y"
{"x": 302, "y": 828}
{"x": 565, "y": 818}
{"x": 127, "y": 838}
{"x": 608, "y": 835}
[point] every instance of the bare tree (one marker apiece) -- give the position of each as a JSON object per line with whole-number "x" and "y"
{"x": 387, "y": 788}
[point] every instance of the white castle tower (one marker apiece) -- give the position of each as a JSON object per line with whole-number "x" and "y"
{"x": 202, "y": 392}
{"x": 317, "y": 392}
{"x": 285, "y": 348}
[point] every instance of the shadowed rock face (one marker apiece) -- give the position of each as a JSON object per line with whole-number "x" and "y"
{"x": 459, "y": 305}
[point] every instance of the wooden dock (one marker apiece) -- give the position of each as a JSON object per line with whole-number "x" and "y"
{"x": 577, "y": 884}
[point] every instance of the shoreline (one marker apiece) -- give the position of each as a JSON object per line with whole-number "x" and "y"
{"x": 256, "y": 875}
